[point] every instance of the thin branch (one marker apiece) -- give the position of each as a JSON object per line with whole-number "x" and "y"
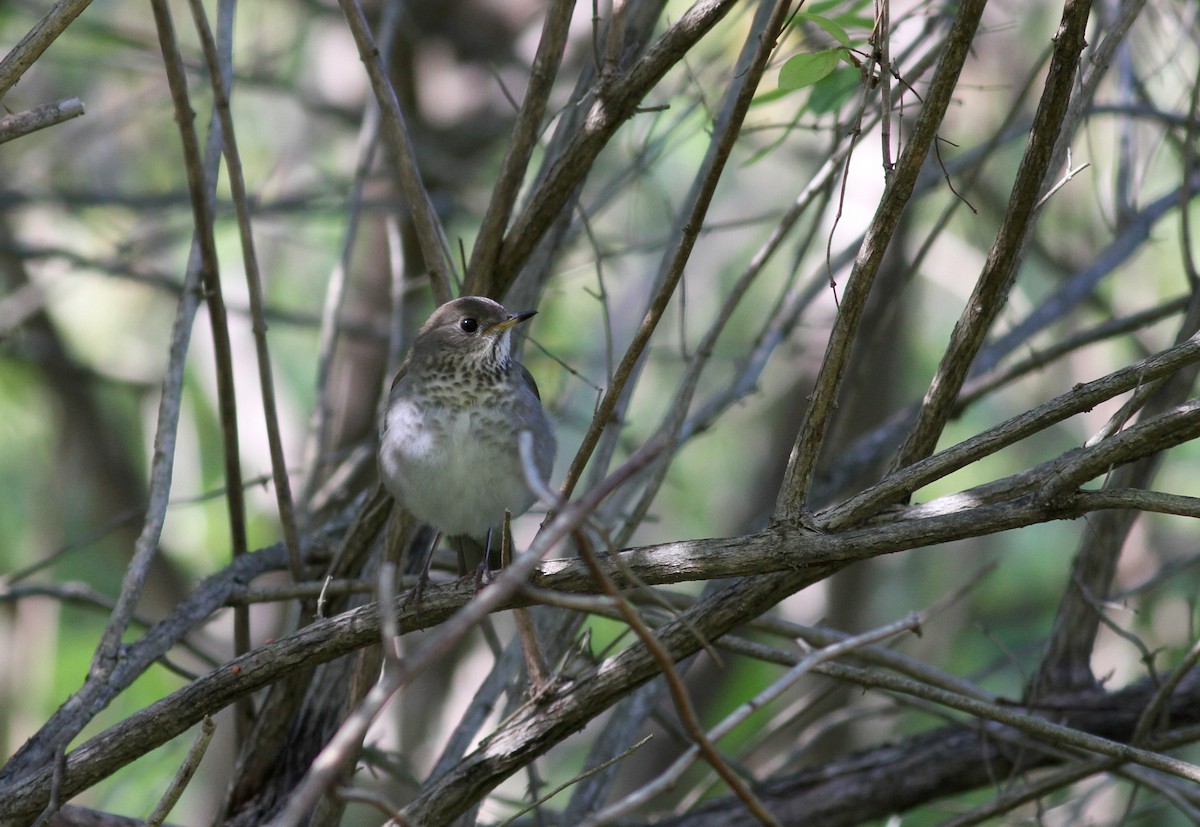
{"x": 669, "y": 777}
{"x": 221, "y": 72}
{"x": 812, "y": 792}
{"x": 317, "y": 439}
{"x": 184, "y": 775}
{"x": 1082, "y": 397}
{"x": 30, "y": 47}
{"x": 793, "y": 495}
{"x": 589, "y": 773}
{"x": 1186, "y": 194}
{"x": 1138, "y": 499}
{"x": 1173, "y": 427}
{"x": 40, "y": 117}
{"x": 614, "y": 42}
{"x": 336, "y": 756}
{"x": 308, "y": 589}
{"x": 881, "y": 38}
{"x": 613, "y": 105}
{"x": 204, "y": 217}
{"x": 674, "y": 421}
{"x": 1135, "y": 231}
{"x": 1042, "y": 357}
{"x": 702, "y": 742}
{"x": 1115, "y": 33}
{"x": 999, "y": 272}
{"x": 733, "y": 113}
{"x": 520, "y": 147}
{"x": 430, "y": 234}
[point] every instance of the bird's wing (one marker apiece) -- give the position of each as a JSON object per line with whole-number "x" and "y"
{"x": 398, "y": 378}
{"x": 400, "y": 374}
{"x": 527, "y": 378}
{"x": 394, "y": 391}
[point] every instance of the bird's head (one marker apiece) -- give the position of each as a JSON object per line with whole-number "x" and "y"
{"x": 474, "y": 329}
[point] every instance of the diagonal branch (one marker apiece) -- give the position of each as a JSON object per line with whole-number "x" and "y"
{"x": 222, "y": 80}
{"x": 37, "y": 40}
{"x": 1082, "y": 397}
{"x": 792, "y": 501}
{"x": 40, "y": 117}
{"x": 430, "y": 234}
{"x": 738, "y": 99}
{"x": 524, "y": 139}
{"x": 614, "y": 104}
{"x": 1004, "y": 259}
{"x": 1067, "y": 663}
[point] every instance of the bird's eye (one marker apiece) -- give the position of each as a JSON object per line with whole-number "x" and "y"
{"x": 469, "y": 325}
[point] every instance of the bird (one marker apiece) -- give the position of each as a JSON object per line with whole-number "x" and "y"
{"x": 448, "y": 446}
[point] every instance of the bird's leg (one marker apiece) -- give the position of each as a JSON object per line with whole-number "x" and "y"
{"x": 484, "y": 571}
{"x": 418, "y": 591}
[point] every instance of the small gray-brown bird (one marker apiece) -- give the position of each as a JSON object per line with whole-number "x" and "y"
{"x": 448, "y": 447}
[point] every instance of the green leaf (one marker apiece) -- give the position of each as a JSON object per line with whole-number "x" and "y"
{"x": 833, "y": 90}
{"x": 822, "y": 6}
{"x": 831, "y": 28}
{"x": 805, "y": 70}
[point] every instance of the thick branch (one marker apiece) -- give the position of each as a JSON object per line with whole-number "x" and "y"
{"x": 791, "y": 559}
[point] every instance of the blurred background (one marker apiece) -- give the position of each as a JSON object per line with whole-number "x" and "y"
{"x": 95, "y": 231}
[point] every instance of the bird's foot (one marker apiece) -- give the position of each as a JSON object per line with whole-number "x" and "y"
{"x": 417, "y": 594}
{"x": 483, "y": 574}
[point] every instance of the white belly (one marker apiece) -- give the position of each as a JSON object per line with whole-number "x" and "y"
{"x": 451, "y": 471}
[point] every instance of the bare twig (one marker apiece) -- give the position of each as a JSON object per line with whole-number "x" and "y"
{"x": 726, "y": 130}
{"x": 317, "y": 439}
{"x": 881, "y": 42}
{"x": 30, "y": 47}
{"x": 520, "y": 148}
{"x": 1134, "y": 232}
{"x": 183, "y": 776}
{"x": 1080, "y": 398}
{"x": 613, "y": 105}
{"x": 669, "y": 777}
{"x": 596, "y": 769}
{"x": 221, "y": 74}
{"x": 1173, "y": 427}
{"x": 429, "y": 229}
{"x": 702, "y": 742}
{"x": 672, "y": 426}
{"x": 793, "y": 495}
{"x": 343, "y": 748}
{"x": 40, "y": 117}
{"x": 535, "y": 662}
{"x": 203, "y": 217}
{"x": 1008, "y": 248}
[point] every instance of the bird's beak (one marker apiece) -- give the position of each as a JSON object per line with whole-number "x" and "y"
{"x": 512, "y": 321}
